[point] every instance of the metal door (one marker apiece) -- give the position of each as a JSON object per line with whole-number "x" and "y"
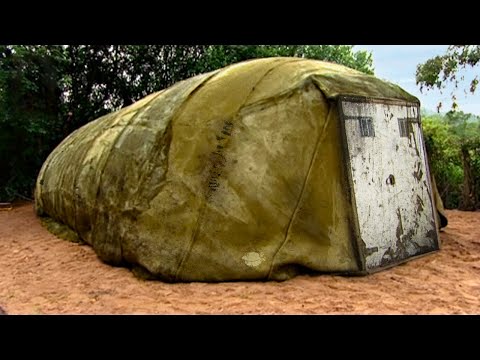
{"x": 390, "y": 184}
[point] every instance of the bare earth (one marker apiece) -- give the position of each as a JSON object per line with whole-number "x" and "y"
{"x": 41, "y": 274}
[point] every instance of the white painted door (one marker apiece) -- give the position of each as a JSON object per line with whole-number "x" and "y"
{"x": 390, "y": 185}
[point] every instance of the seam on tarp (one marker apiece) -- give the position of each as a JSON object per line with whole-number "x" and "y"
{"x": 277, "y": 96}
{"x": 204, "y": 203}
{"x": 75, "y": 183}
{"x": 56, "y": 152}
{"x": 62, "y": 175}
{"x": 62, "y": 143}
{"x": 273, "y": 100}
{"x": 114, "y": 142}
{"x": 295, "y": 211}
{"x": 173, "y": 116}
{"x": 197, "y": 88}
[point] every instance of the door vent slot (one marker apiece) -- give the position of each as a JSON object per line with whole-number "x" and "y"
{"x": 366, "y": 127}
{"x": 405, "y": 126}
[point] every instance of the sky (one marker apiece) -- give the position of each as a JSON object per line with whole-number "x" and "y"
{"x": 398, "y": 64}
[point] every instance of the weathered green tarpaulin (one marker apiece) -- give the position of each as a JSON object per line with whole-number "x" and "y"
{"x": 235, "y": 174}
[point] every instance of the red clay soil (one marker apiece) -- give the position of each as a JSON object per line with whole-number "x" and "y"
{"x": 41, "y": 274}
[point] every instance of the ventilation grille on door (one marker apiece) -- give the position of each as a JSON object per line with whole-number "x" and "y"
{"x": 405, "y": 126}
{"x": 366, "y": 127}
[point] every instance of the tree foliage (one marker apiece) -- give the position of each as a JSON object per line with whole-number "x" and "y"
{"x": 46, "y": 92}
{"x": 31, "y": 80}
{"x": 103, "y": 78}
{"x": 444, "y": 69}
{"x": 453, "y": 146}
{"x": 218, "y": 56}
{"x": 454, "y": 139}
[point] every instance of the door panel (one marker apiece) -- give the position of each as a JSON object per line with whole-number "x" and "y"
{"x": 390, "y": 184}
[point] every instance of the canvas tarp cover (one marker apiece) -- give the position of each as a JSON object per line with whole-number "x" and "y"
{"x": 235, "y": 174}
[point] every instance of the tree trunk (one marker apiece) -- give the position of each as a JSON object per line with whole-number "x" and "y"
{"x": 469, "y": 197}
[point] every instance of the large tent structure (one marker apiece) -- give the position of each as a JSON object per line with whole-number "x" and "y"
{"x": 260, "y": 170}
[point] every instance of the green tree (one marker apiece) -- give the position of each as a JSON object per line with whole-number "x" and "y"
{"x": 444, "y": 159}
{"x": 444, "y": 69}
{"x": 103, "y": 78}
{"x": 30, "y": 104}
{"x": 453, "y": 145}
{"x": 465, "y": 135}
{"x": 46, "y": 92}
{"x": 218, "y": 56}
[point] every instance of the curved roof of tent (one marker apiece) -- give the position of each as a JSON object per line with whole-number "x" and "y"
{"x": 130, "y": 183}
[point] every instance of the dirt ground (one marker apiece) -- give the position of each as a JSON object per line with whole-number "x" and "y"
{"x": 41, "y": 274}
